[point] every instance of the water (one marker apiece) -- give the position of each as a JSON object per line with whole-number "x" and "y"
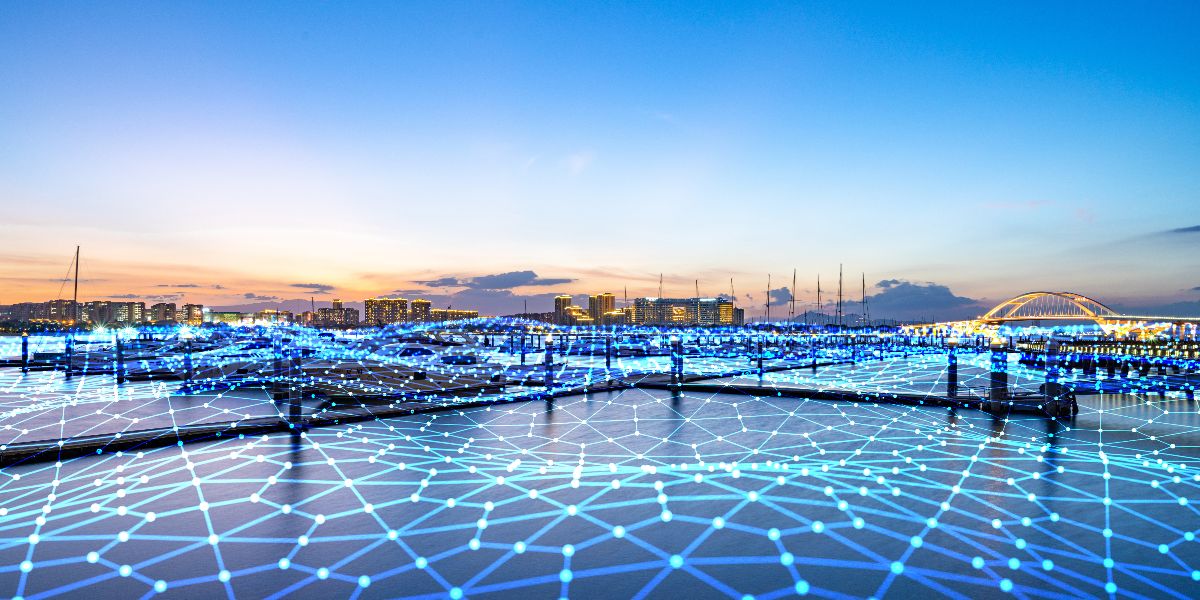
{"x": 638, "y": 492}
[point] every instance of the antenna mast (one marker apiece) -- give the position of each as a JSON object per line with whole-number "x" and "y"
{"x": 75, "y": 296}
{"x": 839, "y": 301}
{"x": 768, "y": 297}
{"x": 792, "y": 312}
{"x": 819, "y": 308}
{"x": 660, "y": 285}
{"x": 866, "y": 319}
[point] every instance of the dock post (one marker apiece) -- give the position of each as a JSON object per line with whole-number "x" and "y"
{"x": 70, "y": 354}
{"x": 187, "y": 360}
{"x": 951, "y": 369}
{"x": 760, "y": 357}
{"x": 120, "y": 365}
{"x": 549, "y": 382}
{"x": 295, "y": 391}
{"x": 999, "y": 378}
{"x": 25, "y": 352}
{"x": 277, "y": 390}
{"x": 608, "y": 352}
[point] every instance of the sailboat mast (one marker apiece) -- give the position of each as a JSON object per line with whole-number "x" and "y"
{"x": 768, "y": 297}
{"x": 792, "y": 312}
{"x": 75, "y": 295}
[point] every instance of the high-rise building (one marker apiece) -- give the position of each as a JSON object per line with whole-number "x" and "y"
{"x": 63, "y": 311}
{"x": 128, "y": 313}
{"x": 382, "y": 311}
{"x": 601, "y": 304}
{"x": 446, "y": 314}
{"x": 190, "y": 314}
{"x": 163, "y": 312}
{"x": 683, "y": 311}
{"x": 562, "y": 305}
{"x": 420, "y": 311}
{"x": 337, "y": 316}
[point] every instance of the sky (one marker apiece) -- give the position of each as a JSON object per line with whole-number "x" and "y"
{"x": 490, "y": 153}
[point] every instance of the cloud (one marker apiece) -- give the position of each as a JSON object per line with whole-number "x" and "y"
{"x": 1196, "y": 289}
{"x": 126, "y": 296}
{"x": 1191, "y": 229}
{"x": 578, "y": 162}
{"x": 313, "y": 288}
{"x": 900, "y": 299}
{"x": 780, "y": 296}
{"x": 178, "y": 285}
{"x": 253, "y": 296}
{"x": 499, "y": 281}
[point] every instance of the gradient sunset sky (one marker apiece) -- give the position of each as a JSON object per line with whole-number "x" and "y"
{"x": 242, "y": 152}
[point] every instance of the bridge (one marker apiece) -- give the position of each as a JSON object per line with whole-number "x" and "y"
{"x": 1036, "y": 307}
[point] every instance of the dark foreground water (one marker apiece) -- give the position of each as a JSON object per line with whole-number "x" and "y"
{"x": 635, "y": 493}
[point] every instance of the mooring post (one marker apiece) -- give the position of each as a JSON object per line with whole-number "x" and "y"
{"x": 760, "y": 357}
{"x": 549, "y": 382}
{"x": 295, "y": 389}
{"x": 120, "y": 366}
{"x": 608, "y": 352}
{"x": 187, "y": 359}
{"x": 999, "y": 378}
{"x": 951, "y": 368}
{"x": 70, "y": 354}
{"x": 25, "y": 352}
{"x": 277, "y": 390}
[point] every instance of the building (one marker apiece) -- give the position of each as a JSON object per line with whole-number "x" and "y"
{"x": 163, "y": 312}
{"x": 420, "y": 311}
{"x": 600, "y": 305}
{"x": 63, "y": 311}
{"x": 562, "y": 304}
{"x": 190, "y": 314}
{"x": 616, "y": 317}
{"x": 336, "y": 316}
{"x": 446, "y": 314}
{"x": 684, "y": 311}
{"x": 227, "y": 317}
{"x": 382, "y": 311}
{"x": 128, "y": 313}
{"x": 271, "y": 315}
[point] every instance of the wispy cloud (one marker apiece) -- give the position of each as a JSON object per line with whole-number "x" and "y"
{"x": 313, "y": 288}
{"x": 578, "y": 162}
{"x": 253, "y": 296}
{"x": 499, "y": 281}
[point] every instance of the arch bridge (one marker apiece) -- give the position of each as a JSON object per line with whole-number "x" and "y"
{"x": 1069, "y": 306}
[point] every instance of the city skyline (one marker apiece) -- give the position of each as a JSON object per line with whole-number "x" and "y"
{"x": 241, "y": 151}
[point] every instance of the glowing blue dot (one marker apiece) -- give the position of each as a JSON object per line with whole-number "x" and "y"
{"x": 224, "y": 576}
{"x": 26, "y": 566}
{"x": 676, "y": 561}
{"x": 772, "y": 534}
{"x": 285, "y": 564}
{"x": 456, "y": 593}
{"x": 915, "y": 541}
{"x": 93, "y": 557}
{"x": 818, "y": 527}
{"x": 1048, "y": 565}
{"x": 787, "y": 559}
{"x": 1006, "y": 585}
{"x": 565, "y": 576}
{"x": 897, "y": 567}
{"x": 802, "y": 587}
{"x": 1110, "y": 587}
{"x": 125, "y": 571}
{"x": 1163, "y": 549}
{"x": 568, "y": 550}
{"x": 364, "y": 581}
{"x": 160, "y": 586}
{"x": 519, "y": 547}
{"x": 618, "y": 531}
{"x": 977, "y": 562}
{"x": 422, "y": 562}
